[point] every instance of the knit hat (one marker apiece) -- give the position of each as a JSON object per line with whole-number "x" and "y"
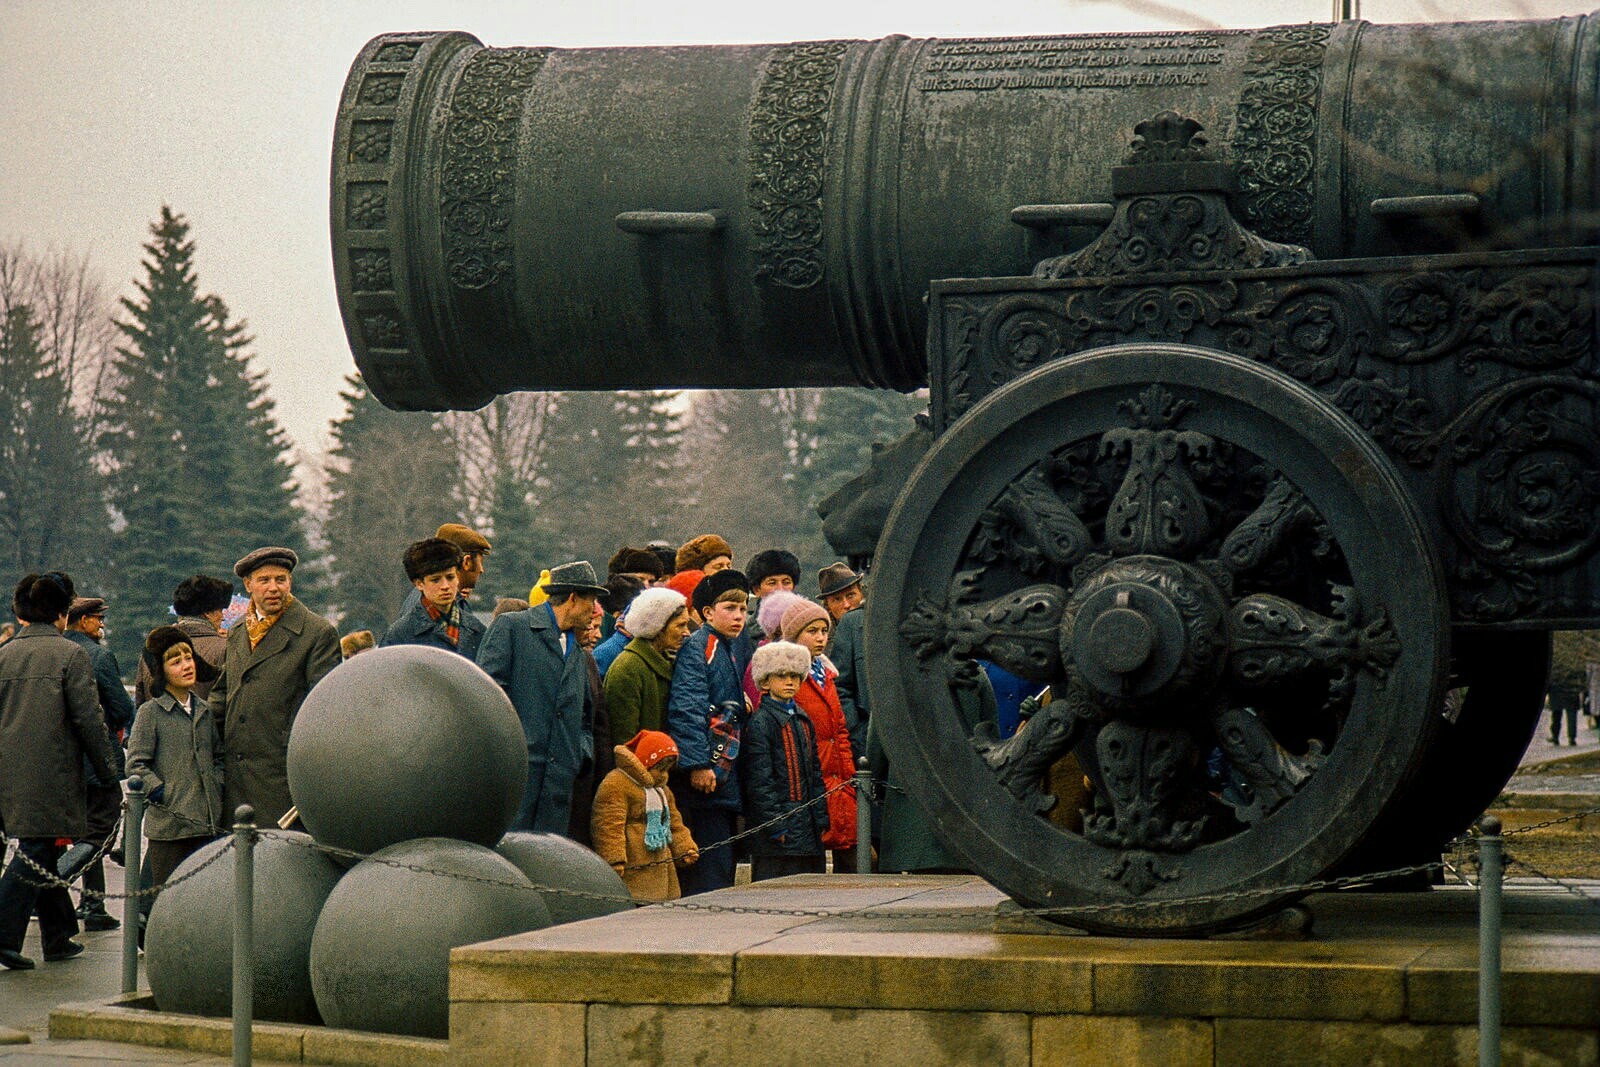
{"x": 773, "y": 605}
{"x": 695, "y": 554}
{"x": 262, "y": 557}
{"x": 85, "y": 606}
{"x": 635, "y": 561}
{"x": 800, "y": 614}
{"x": 651, "y": 610}
{"x": 684, "y": 583}
{"x": 764, "y": 565}
{"x": 468, "y": 540}
{"x": 540, "y": 591}
{"x": 432, "y": 555}
{"x": 43, "y": 597}
{"x": 651, "y": 746}
{"x": 160, "y": 641}
{"x": 779, "y": 657}
{"x": 711, "y": 588}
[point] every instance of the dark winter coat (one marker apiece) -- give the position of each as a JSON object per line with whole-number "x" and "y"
{"x": 848, "y": 653}
{"x": 778, "y": 762}
{"x": 417, "y": 627}
{"x": 256, "y": 699}
{"x": 637, "y": 687}
{"x": 597, "y": 728}
{"x": 522, "y": 652}
{"x": 908, "y": 843}
{"x": 210, "y": 645}
{"x": 50, "y": 719}
{"x": 707, "y": 674}
{"x": 181, "y": 756}
{"x": 115, "y": 703}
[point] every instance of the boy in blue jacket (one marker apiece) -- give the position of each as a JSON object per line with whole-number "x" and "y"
{"x": 705, "y": 717}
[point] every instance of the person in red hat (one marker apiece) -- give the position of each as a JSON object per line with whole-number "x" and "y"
{"x": 636, "y": 826}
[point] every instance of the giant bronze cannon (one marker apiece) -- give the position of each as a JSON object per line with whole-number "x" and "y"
{"x": 1262, "y": 373}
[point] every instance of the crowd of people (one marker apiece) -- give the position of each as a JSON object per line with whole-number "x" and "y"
{"x": 678, "y": 715}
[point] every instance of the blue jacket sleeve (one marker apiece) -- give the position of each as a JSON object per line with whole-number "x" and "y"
{"x": 688, "y": 706}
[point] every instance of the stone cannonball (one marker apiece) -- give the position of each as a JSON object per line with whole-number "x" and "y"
{"x": 562, "y": 863}
{"x": 380, "y": 957}
{"x": 189, "y": 943}
{"x": 406, "y": 742}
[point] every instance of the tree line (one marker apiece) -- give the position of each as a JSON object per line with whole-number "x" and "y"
{"x": 146, "y": 448}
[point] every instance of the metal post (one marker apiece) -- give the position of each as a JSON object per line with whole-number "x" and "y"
{"x": 1490, "y": 874}
{"x": 244, "y": 991}
{"x": 132, "y": 832}
{"x": 863, "y": 817}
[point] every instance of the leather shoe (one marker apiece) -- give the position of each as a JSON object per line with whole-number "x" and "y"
{"x": 15, "y": 961}
{"x": 65, "y": 951}
{"x": 99, "y": 920}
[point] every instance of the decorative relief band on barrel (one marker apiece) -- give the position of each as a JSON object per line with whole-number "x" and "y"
{"x": 788, "y": 148}
{"x": 1274, "y": 140}
{"x": 476, "y": 184}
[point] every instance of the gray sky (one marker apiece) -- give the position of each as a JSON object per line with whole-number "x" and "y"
{"x": 224, "y": 110}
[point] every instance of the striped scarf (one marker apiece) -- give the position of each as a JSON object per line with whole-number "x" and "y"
{"x": 451, "y": 617}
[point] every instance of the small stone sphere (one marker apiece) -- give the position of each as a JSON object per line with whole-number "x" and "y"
{"x": 560, "y": 862}
{"x": 188, "y": 947}
{"x": 380, "y": 957}
{"x": 406, "y": 742}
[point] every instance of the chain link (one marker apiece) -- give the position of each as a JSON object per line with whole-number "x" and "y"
{"x": 1550, "y": 822}
{"x": 50, "y": 880}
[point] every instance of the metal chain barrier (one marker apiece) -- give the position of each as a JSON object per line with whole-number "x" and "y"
{"x": 1577, "y": 891}
{"x": 48, "y": 879}
{"x": 1574, "y": 816}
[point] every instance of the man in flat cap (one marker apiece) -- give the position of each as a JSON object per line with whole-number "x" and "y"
{"x": 276, "y": 653}
{"x": 86, "y": 625}
{"x": 535, "y": 657}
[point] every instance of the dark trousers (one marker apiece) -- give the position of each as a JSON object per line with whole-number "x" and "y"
{"x": 764, "y": 867}
{"x": 708, "y": 826}
{"x": 1571, "y": 715}
{"x": 105, "y": 803}
{"x": 166, "y": 855}
{"x": 21, "y": 891}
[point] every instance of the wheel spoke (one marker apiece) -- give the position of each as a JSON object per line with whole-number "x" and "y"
{"x": 1271, "y": 774}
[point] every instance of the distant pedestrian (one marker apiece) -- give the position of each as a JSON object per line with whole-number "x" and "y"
{"x": 636, "y": 826}
{"x": 535, "y": 657}
{"x": 199, "y": 602}
{"x": 440, "y": 618}
{"x": 621, "y": 589}
{"x": 684, "y": 583}
{"x": 708, "y": 553}
{"x": 841, "y": 593}
{"x": 640, "y": 563}
{"x": 782, "y": 776}
{"x": 638, "y": 683}
{"x": 50, "y": 720}
{"x": 705, "y": 716}
{"x": 774, "y": 570}
{"x": 177, "y": 754}
{"x": 276, "y": 653}
{"x": 667, "y": 555}
{"x": 353, "y": 644}
{"x": 86, "y": 624}
{"x": 839, "y": 589}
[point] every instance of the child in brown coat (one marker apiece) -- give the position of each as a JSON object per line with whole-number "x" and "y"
{"x": 636, "y": 826}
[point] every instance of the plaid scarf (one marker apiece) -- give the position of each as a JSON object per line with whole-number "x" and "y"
{"x": 451, "y": 617}
{"x": 256, "y": 626}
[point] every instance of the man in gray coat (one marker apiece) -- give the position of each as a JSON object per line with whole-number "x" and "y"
{"x": 276, "y": 652}
{"x": 535, "y": 657}
{"x": 49, "y": 721}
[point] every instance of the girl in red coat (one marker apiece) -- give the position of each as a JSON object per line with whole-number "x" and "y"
{"x": 806, "y": 623}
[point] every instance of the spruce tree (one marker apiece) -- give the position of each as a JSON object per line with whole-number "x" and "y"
{"x": 393, "y": 479}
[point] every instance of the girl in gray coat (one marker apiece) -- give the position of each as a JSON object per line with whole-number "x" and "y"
{"x": 176, "y": 752}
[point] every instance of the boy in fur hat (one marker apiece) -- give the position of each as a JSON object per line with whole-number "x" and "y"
{"x": 440, "y": 618}
{"x": 780, "y": 768}
{"x": 636, "y": 826}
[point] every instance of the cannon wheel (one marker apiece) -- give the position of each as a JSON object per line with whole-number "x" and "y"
{"x": 1203, "y": 558}
{"x": 1502, "y": 678}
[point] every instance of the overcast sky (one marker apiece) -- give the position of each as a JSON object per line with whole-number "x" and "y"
{"x": 224, "y": 110}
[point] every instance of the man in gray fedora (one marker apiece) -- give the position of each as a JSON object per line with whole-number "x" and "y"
{"x": 535, "y": 657}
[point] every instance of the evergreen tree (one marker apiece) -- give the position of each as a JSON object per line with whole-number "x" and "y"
{"x": 392, "y": 480}
{"x": 200, "y": 474}
{"x": 50, "y": 513}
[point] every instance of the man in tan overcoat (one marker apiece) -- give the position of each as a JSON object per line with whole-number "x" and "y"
{"x": 276, "y": 652}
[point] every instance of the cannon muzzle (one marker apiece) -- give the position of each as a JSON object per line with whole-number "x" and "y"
{"x": 759, "y": 216}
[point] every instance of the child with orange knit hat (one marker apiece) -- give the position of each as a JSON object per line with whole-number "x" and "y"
{"x": 635, "y": 823}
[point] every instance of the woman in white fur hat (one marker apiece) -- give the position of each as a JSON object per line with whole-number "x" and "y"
{"x": 636, "y": 686}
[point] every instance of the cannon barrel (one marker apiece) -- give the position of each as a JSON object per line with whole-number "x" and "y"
{"x": 759, "y": 216}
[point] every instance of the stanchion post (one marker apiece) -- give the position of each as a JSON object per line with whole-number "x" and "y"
{"x": 863, "y": 817}
{"x": 132, "y": 833}
{"x": 244, "y": 972}
{"x": 1490, "y": 875}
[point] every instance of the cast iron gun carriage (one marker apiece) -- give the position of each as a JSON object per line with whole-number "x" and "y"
{"x": 1277, "y": 461}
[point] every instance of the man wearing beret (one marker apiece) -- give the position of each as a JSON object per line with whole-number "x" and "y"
{"x": 276, "y": 653}
{"x": 535, "y": 657}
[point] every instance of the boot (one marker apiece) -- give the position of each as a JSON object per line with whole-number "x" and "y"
{"x": 92, "y": 910}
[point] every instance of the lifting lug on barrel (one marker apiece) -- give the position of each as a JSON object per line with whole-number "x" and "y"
{"x": 654, "y": 222}
{"x": 1439, "y": 205}
{"x": 1041, "y": 216}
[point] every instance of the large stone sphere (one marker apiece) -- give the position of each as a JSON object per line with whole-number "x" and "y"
{"x": 380, "y": 958}
{"x": 189, "y": 943}
{"x": 406, "y": 742}
{"x": 561, "y": 863}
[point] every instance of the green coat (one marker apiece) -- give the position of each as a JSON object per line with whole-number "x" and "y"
{"x": 636, "y": 690}
{"x": 907, "y": 842}
{"x": 255, "y": 700}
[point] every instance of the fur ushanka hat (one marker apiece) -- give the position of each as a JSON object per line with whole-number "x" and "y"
{"x": 695, "y": 554}
{"x": 651, "y": 610}
{"x": 779, "y": 657}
